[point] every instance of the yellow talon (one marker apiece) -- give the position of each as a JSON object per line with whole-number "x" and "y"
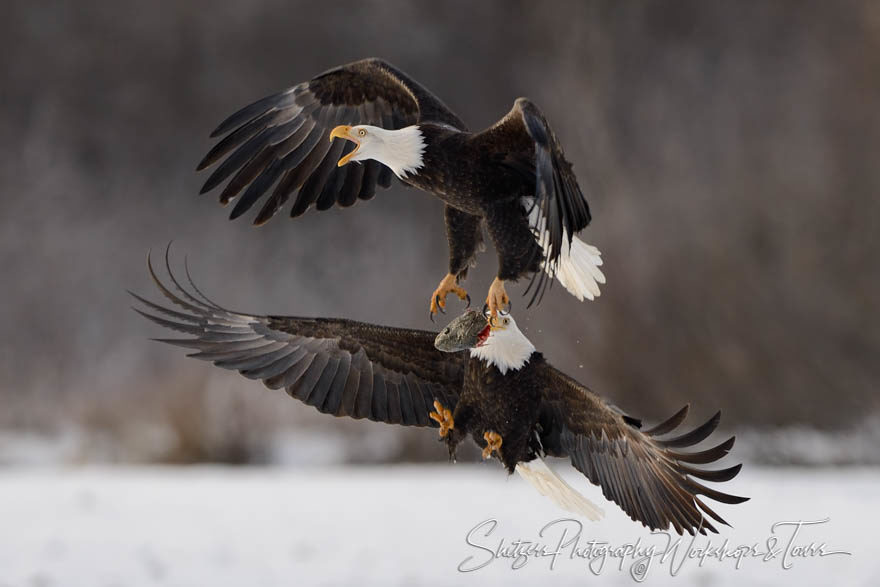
{"x": 497, "y": 298}
{"x": 448, "y": 285}
{"x": 443, "y": 417}
{"x": 493, "y": 444}
{"x": 496, "y": 323}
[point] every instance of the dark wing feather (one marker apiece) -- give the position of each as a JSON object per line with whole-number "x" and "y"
{"x": 638, "y": 471}
{"x": 282, "y": 140}
{"x": 340, "y": 367}
{"x": 533, "y": 150}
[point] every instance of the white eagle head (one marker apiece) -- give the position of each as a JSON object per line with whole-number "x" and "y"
{"x": 498, "y": 341}
{"x": 401, "y": 150}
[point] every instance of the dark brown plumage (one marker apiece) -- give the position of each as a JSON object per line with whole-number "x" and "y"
{"x": 283, "y": 138}
{"x": 394, "y": 375}
{"x": 341, "y": 367}
{"x": 637, "y": 469}
{"x": 278, "y": 146}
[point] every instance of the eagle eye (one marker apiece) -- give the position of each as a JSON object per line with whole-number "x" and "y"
{"x": 362, "y": 132}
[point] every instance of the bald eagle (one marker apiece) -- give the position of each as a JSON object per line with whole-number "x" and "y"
{"x": 513, "y": 175}
{"x": 499, "y": 390}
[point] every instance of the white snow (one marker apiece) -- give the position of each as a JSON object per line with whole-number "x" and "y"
{"x": 402, "y": 525}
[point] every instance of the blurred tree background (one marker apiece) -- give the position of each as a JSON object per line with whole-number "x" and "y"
{"x": 729, "y": 151}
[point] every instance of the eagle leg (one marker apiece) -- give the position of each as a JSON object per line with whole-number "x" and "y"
{"x": 497, "y": 298}
{"x": 442, "y": 416}
{"x": 448, "y": 285}
{"x": 493, "y": 444}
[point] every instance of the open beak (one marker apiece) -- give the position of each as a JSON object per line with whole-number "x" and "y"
{"x": 344, "y": 132}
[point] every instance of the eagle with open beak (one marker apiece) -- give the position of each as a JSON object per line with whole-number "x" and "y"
{"x": 511, "y": 178}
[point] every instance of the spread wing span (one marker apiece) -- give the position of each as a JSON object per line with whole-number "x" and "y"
{"x": 282, "y": 140}
{"x": 645, "y": 475}
{"x": 340, "y": 367}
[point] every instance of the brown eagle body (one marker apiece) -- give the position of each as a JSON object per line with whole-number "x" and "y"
{"x": 498, "y": 388}
{"x": 487, "y": 405}
{"x": 474, "y": 196}
{"x": 512, "y": 176}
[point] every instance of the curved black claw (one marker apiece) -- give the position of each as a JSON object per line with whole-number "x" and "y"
{"x": 502, "y": 312}
{"x": 468, "y": 298}
{"x": 439, "y": 307}
{"x": 431, "y": 316}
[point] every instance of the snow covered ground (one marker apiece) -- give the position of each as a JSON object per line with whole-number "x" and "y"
{"x": 403, "y": 525}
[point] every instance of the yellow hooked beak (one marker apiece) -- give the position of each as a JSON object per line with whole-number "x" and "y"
{"x": 344, "y": 132}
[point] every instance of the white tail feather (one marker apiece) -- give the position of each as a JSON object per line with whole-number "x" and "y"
{"x": 551, "y": 485}
{"x": 578, "y": 270}
{"x": 577, "y": 267}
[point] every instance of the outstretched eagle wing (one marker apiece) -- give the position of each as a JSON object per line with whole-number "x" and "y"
{"x": 558, "y": 209}
{"x": 282, "y": 140}
{"x": 340, "y": 367}
{"x": 642, "y": 473}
